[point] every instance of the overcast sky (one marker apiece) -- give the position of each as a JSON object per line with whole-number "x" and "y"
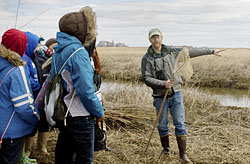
{"x": 212, "y": 23}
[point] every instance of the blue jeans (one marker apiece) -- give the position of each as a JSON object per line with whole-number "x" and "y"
{"x": 75, "y": 142}
{"x": 175, "y": 104}
{"x": 11, "y": 150}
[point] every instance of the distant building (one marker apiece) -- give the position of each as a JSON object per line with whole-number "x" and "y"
{"x": 110, "y": 44}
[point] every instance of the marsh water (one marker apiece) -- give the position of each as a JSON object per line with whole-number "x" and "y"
{"x": 229, "y": 97}
{"x": 226, "y": 96}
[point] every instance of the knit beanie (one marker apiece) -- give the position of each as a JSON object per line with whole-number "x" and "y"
{"x": 15, "y": 40}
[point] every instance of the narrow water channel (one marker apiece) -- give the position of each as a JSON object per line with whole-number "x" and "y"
{"x": 229, "y": 97}
{"x": 226, "y": 96}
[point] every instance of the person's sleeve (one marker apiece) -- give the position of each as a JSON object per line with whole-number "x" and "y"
{"x": 34, "y": 84}
{"x": 39, "y": 58}
{"x": 195, "y": 52}
{"x": 148, "y": 77}
{"x": 21, "y": 96}
{"x": 34, "y": 78}
{"x": 52, "y": 70}
{"x": 82, "y": 76}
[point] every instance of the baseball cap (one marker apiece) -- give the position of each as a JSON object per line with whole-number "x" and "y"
{"x": 154, "y": 31}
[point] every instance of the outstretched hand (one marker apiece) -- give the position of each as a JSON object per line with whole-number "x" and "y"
{"x": 216, "y": 52}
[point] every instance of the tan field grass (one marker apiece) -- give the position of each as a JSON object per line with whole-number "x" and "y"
{"x": 121, "y": 64}
{"x": 230, "y": 70}
{"x": 216, "y": 135}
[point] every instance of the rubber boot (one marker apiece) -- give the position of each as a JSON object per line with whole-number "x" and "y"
{"x": 182, "y": 142}
{"x": 165, "y": 144}
{"x": 42, "y": 141}
{"x": 28, "y": 145}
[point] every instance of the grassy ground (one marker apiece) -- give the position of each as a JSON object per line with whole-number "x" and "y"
{"x": 230, "y": 70}
{"x": 216, "y": 135}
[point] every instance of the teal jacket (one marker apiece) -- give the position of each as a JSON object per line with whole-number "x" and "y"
{"x": 77, "y": 74}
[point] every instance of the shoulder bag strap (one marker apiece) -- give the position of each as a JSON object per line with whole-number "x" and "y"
{"x": 1, "y": 139}
{"x": 74, "y": 89}
{"x": 69, "y": 58}
{"x": 74, "y": 93}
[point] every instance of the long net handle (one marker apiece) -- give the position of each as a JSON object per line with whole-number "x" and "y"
{"x": 156, "y": 120}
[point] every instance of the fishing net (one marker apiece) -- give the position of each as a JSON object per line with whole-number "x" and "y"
{"x": 183, "y": 66}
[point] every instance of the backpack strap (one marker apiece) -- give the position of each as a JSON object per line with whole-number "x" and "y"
{"x": 6, "y": 75}
{"x": 67, "y": 60}
{"x": 74, "y": 93}
{"x": 74, "y": 89}
{"x": 1, "y": 139}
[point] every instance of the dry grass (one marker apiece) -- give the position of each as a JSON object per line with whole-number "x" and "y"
{"x": 216, "y": 135}
{"x": 230, "y": 70}
{"x": 121, "y": 64}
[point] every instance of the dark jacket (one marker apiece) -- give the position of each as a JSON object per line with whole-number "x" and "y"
{"x": 158, "y": 68}
{"x": 39, "y": 58}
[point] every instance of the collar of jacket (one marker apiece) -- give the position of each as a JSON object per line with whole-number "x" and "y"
{"x": 11, "y": 56}
{"x": 164, "y": 51}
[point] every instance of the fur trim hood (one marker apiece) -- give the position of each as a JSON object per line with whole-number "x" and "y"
{"x": 80, "y": 24}
{"x": 91, "y": 25}
{"x": 11, "y": 56}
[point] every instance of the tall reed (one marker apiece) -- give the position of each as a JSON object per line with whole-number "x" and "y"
{"x": 230, "y": 70}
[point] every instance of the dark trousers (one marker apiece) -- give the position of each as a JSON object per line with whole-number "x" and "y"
{"x": 11, "y": 150}
{"x": 43, "y": 125}
{"x": 75, "y": 142}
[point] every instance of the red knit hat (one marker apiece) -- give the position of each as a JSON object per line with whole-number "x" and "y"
{"x": 15, "y": 40}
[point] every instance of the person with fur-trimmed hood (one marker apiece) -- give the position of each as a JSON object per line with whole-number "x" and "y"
{"x": 18, "y": 114}
{"x": 75, "y": 142}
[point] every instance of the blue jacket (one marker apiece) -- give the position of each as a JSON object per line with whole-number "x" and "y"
{"x": 30, "y": 66}
{"x": 15, "y": 95}
{"x": 81, "y": 72}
